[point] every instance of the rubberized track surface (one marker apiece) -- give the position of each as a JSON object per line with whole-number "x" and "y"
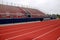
{"x": 46, "y": 30}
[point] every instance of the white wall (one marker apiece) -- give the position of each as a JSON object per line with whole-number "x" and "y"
{"x": 47, "y": 6}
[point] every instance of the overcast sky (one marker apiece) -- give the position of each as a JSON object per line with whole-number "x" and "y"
{"x": 46, "y": 6}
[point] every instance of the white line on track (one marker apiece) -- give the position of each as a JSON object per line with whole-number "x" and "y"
{"x": 26, "y": 29}
{"x": 27, "y": 22}
{"x": 17, "y": 31}
{"x": 46, "y": 33}
{"x": 58, "y": 38}
{"x": 27, "y": 33}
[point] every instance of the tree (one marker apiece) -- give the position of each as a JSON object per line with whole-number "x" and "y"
{"x": 58, "y": 15}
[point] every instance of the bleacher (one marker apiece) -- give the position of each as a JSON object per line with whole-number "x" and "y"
{"x": 12, "y": 14}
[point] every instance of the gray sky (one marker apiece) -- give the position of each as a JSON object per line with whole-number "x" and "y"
{"x": 46, "y": 6}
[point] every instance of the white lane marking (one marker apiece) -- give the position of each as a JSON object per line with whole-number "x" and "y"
{"x": 58, "y": 38}
{"x": 46, "y": 33}
{"x": 10, "y": 29}
{"x": 14, "y": 28}
{"x": 25, "y": 29}
{"x": 22, "y": 30}
{"x": 27, "y": 33}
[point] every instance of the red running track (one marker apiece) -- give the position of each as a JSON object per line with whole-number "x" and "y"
{"x": 46, "y": 30}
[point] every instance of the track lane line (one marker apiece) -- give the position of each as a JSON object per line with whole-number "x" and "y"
{"x": 20, "y": 28}
{"x": 58, "y": 38}
{"x": 10, "y": 29}
{"x": 35, "y": 22}
{"x": 26, "y": 29}
{"x": 19, "y": 33}
{"x": 46, "y": 33}
{"x": 27, "y": 25}
{"x": 33, "y": 35}
{"x": 27, "y": 33}
{"x": 35, "y": 25}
